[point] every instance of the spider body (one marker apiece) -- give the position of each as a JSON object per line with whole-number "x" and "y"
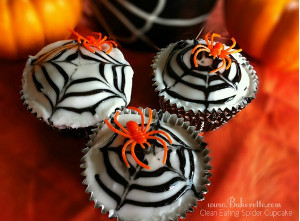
{"x": 91, "y": 41}
{"x": 136, "y": 132}
{"x": 138, "y": 135}
{"x": 217, "y": 51}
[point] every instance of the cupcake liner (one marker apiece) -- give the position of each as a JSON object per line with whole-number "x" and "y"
{"x": 203, "y": 121}
{"x": 95, "y": 152}
{"x": 209, "y": 119}
{"x": 81, "y": 132}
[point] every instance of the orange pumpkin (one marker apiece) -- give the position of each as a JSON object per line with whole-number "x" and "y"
{"x": 267, "y": 30}
{"x": 27, "y": 25}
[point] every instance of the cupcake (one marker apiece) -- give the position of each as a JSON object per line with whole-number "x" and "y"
{"x": 159, "y": 178}
{"x": 77, "y": 83}
{"x": 145, "y": 24}
{"x": 204, "y": 82}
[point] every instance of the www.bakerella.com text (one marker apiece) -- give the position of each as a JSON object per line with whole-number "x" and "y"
{"x": 237, "y": 207}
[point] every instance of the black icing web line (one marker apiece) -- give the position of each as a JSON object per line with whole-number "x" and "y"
{"x": 183, "y": 152}
{"x": 183, "y": 47}
{"x": 69, "y": 81}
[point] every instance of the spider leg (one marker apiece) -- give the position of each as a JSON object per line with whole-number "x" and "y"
{"x": 164, "y": 145}
{"x": 149, "y": 121}
{"x": 235, "y": 51}
{"x": 97, "y": 41}
{"x": 124, "y": 152}
{"x": 149, "y": 145}
{"x": 114, "y": 43}
{"x": 213, "y": 56}
{"x": 142, "y": 116}
{"x": 103, "y": 39}
{"x": 80, "y": 40}
{"x": 232, "y": 46}
{"x": 79, "y": 37}
{"x": 229, "y": 61}
{"x": 224, "y": 62}
{"x": 212, "y": 38}
{"x": 142, "y": 145}
{"x": 136, "y": 159}
{"x": 159, "y": 132}
{"x": 99, "y": 37}
{"x": 196, "y": 54}
{"x": 120, "y": 125}
{"x": 87, "y": 46}
{"x": 206, "y": 39}
{"x": 203, "y": 46}
{"x": 195, "y": 48}
{"x": 100, "y": 41}
{"x": 199, "y": 46}
{"x": 110, "y": 48}
{"x": 115, "y": 130}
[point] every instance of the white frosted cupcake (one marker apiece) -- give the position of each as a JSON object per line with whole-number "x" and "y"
{"x": 160, "y": 184}
{"x": 205, "y": 88}
{"x": 77, "y": 83}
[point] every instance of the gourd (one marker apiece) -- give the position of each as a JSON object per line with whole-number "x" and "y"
{"x": 267, "y": 30}
{"x": 28, "y": 25}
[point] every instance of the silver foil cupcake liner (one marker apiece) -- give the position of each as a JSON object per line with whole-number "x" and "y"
{"x": 203, "y": 121}
{"x": 206, "y": 120}
{"x": 99, "y": 193}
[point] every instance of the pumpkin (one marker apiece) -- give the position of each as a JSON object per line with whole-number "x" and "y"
{"x": 28, "y": 25}
{"x": 267, "y": 30}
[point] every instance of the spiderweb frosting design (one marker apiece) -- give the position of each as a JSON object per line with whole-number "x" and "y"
{"x": 68, "y": 86}
{"x": 155, "y": 22}
{"x": 177, "y": 78}
{"x": 164, "y": 192}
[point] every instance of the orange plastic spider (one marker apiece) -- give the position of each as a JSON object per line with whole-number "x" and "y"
{"x": 91, "y": 41}
{"x": 216, "y": 50}
{"x": 138, "y": 135}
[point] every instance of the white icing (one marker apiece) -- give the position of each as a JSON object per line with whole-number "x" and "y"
{"x": 94, "y": 164}
{"x": 163, "y": 81}
{"x": 71, "y": 92}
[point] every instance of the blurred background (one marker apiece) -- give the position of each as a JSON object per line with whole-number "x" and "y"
{"x": 255, "y": 156}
